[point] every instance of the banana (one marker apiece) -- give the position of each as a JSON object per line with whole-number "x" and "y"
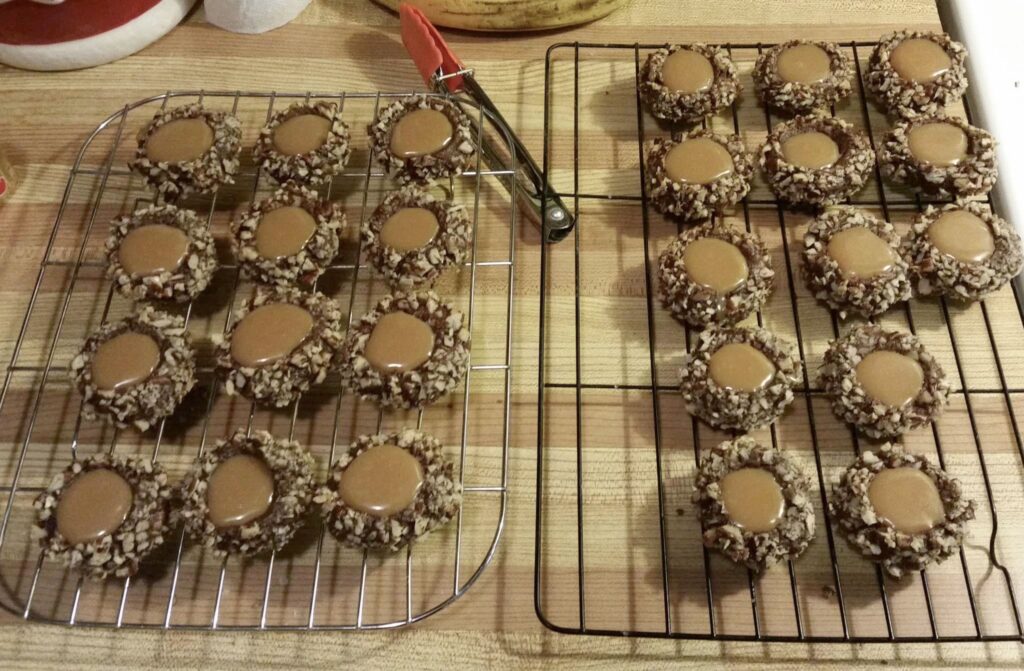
{"x": 510, "y": 14}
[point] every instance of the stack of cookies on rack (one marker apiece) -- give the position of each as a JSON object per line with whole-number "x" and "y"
{"x": 895, "y": 507}
{"x": 251, "y": 492}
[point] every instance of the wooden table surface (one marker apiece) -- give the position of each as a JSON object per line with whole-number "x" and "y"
{"x": 353, "y": 45}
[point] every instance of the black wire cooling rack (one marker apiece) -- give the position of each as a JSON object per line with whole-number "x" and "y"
{"x": 314, "y": 583}
{"x": 618, "y": 549}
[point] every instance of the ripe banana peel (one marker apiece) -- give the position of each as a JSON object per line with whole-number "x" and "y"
{"x": 510, "y": 14}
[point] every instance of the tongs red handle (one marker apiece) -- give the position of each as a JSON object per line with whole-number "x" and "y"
{"x": 428, "y": 49}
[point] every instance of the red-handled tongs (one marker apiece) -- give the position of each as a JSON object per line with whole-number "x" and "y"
{"x": 445, "y": 73}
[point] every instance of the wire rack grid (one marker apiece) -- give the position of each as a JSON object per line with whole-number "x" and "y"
{"x": 618, "y": 548}
{"x": 314, "y": 583}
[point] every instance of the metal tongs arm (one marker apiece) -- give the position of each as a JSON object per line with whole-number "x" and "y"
{"x": 445, "y": 73}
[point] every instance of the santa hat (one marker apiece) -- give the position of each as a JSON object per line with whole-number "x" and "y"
{"x": 59, "y": 35}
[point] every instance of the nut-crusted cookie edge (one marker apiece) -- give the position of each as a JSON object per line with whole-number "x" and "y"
{"x": 757, "y": 551}
{"x": 292, "y": 467}
{"x": 118, "y": 554}
{"x": 735, "y": 410}
{"x": 875, "y": 537}
{"x": 437, "y": 500}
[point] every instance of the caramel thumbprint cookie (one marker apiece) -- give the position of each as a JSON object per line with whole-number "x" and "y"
{"x": 306, "y": 143}
{"x": 412, "y": 237}
{"x": 912, "y": 72}
{"x": 800, "y": 76}
{"x": 685, "y": 83}
{"x": 813, "y": 161}
{"x": 698, "y": 176}
{"x": 161, "y": 253}
{"x": 104, "y": 515}
{"x": 739, "y": 378}
{"x": 900, "y": 510}
{"x": 135, "y": 371}
{"x": 715, "y": 275}
{"x": 283, "y": 341}
{"x": 248, "y": 495}
{"x": 188, "y": 149}
{"x": 940, "y": 155}
{"x": 407, "y": 352}
{"x": 388, "y": 490}
{"x": 883, "y": 382}
{"x": 962, "y": 250}
{"x": 852, "y": 262}
{"x": 289, "y": 239}
{"x": 422, "y": 139}
{"x": 755, "y": 505}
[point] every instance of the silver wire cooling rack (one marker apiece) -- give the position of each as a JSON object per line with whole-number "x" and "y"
{"x": 314, "y": 583}
{"x": 618, "y": 543}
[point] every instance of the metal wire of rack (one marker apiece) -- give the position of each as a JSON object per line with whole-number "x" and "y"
{"x": 648, "y": 576}
{"x": 320, "y": 585}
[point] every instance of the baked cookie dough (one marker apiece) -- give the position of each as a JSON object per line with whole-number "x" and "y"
{"x": 912, "y": 72}
{"x": 306, "y": 143}
{"x": 816, "y": 160}
{"x": 685, "y": 83}
{"x": 799, "y": 76}
{"x": 135, "y": 371}
{"x": 755, "y": 505}
{"x": 698, "y": 176}
{"x": 188, "y": 149}
{"x": 739, "y": 378}
{"x": 289, "y": 238}
{"x": 248, "y": 495}
{"x": 283, "y": 341}
{"x": 407, "y": 352}
{"x": 161, "y": 252}
{"x": 900, "y": 510}
{"x": 883, "y": 382}
{"x": 962, "y": 250}
{"x": 940, "y": 155}
{"x": 421, "y": 139}
{"x": 412, "y": 237}
{"x": 714, "y": 275}
{"x": 104, "y": 515}
{"x": 388, "y": 490}
{"x": 852, "y": 262}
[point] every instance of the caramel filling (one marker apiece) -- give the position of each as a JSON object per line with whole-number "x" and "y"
{"x": 860, "y": 253}
{"x": 421, "y": 132}
{"x": 890, "y": 377}
{"x": 962, "y": 235}
{"x": 270, "y": 332}
{"x": 687, "y": 71}
{"x": 240, "y": 490}
{"x": 919, "y": 60}
{"x": 284, "y": 231}
{"x": 803, "y": 64}
{"x": 152, "y": 249}
{"x": 908, "y": 498}
{"x": 740, "y": 367}
{"x": 179, "y": 141}
{"x": 811, "y": 150}
{"x": 408, "y": 229}
{"x": 301, "y": 134}
{"x": 382, "y": 481}
{"x": 399, "y": 342}
{"x": 752, "y": 499}
{"x": 715, "y": 264}
{"x": 124, "y": 361}
{"x": 94, "y": 505}
{"x": 938, "y": 143}
{"x": 698, "y": 161}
